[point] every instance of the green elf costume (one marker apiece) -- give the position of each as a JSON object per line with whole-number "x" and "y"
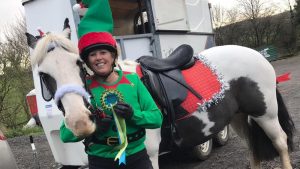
{"x": 126, "y": 100}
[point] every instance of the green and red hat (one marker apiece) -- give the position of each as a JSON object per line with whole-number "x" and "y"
{"x": 95, "y": 28}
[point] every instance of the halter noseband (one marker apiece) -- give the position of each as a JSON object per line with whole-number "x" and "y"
{"x": 71, "y": 88}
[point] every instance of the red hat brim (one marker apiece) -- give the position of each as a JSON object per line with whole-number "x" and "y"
{"x": 85, "y": 52}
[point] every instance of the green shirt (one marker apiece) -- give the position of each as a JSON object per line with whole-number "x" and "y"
{"x": 146, "y": 114}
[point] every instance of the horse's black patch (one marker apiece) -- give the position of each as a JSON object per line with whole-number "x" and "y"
{"x": 249, "y": 98}
{"x": 222, "y": 112}
{"x": 184, "y": 138}
{"x": 49, "y": 86}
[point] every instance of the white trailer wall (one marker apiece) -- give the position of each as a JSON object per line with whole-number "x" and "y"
{"x": 199, "y": 16}
{"x": 199, "y": 32}
{"x": 50, "y": 16}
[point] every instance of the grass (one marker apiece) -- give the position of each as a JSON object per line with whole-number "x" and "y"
{"x": 10, "y": 133}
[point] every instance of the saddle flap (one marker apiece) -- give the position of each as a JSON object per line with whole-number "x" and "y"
{"x": 151, "y": 81}
{"x": 162, "y": 86}
{"x": 172, "y": 83}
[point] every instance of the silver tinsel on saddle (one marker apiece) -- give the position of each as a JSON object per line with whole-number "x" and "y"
{"x": 217, "y": 96}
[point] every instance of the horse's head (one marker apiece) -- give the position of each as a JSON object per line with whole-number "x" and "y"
{"x": 59, "y": 66}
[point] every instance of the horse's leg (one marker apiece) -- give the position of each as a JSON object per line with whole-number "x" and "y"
{"x": 260, "y": 101}
{"x": 240, "y": 125}
{"x": 272, "y": 128}
{"x": 152, "y": 142}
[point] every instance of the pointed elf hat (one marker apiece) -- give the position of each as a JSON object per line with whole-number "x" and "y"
{"x": 95, "y": 28}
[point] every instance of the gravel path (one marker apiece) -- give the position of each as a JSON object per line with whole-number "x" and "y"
{"x": 231, "y": 156}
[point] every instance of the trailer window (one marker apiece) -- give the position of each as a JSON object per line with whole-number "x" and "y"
{"x": 141, "y": 23}
{"x": 130, "y": 17}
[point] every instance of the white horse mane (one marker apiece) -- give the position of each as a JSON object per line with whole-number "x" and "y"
{"x": 128, "y": 65}
{"x": 41, "y": 48}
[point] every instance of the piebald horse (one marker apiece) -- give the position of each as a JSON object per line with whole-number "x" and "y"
{"x": 251, "y": 102}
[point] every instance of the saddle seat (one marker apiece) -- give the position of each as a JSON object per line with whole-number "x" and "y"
{"x": 180, "y": 58}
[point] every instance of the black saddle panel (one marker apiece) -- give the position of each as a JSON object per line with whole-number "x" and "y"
{"x": 178, "y": 59}
{"x": 153, "y": 84}
{"x": 160, "y": 84}
{"x": 176, "y": 92}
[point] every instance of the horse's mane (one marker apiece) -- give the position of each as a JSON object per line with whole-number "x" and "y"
{"x": 41, "y": 49}
{"x": 128, "y": 65}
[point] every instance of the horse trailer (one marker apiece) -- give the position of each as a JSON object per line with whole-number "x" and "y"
{"x": 141, "y": 27}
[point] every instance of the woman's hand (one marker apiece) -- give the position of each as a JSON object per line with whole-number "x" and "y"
{"x": 103, "y": 124}
{"x": 124, "y": 110}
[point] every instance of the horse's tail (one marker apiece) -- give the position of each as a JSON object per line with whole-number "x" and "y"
{"x": 260, "y": 144}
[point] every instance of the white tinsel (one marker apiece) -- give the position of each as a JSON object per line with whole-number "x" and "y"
{"x": 217, "y": 96}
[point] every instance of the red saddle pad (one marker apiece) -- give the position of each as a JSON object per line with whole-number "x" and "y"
{"x": 203, "y": 80}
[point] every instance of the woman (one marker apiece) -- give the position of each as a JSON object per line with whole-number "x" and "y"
{"x": 134, "y": 104}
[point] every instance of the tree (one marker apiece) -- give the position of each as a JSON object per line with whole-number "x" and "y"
{"x": 16, "y": 76}
{"x": 253, "y": 10}
{"x": 222, "y": 17}
{"x": 234, "y": 30}
{"x": 297, "y": 24}
{"x": 218, "y": 17}
{"x": 297, "y": 9}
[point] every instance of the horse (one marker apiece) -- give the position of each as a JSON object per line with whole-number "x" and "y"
{"x": 249, "y": 101}
{"x": 49, "y": 53}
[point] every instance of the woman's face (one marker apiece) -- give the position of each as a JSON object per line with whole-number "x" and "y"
{"x": 101, "y": 61}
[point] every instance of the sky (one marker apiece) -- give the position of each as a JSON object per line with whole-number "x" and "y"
{"x": 12, "y": 9}
{"x": 9, "y": 10}
{"x": 227, "y": 4}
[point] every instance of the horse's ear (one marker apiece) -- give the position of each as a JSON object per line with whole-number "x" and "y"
{"x": 31, "y": 40}
{"x": 67, "y": 29}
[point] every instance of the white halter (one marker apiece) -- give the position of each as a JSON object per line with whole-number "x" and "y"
{"x": 71, "y": 88}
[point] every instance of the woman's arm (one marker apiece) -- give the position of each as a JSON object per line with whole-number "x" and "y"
{"x": 150, "y": 116}
{"x": 66, "y": 134}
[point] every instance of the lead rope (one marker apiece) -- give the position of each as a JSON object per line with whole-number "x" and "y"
{"x": 84, "y": 75}
{"x": 121, "y": 128}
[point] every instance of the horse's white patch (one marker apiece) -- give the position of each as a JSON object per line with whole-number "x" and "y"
{"x": 203, "y": 116}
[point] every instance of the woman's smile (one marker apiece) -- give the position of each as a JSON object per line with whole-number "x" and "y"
{"x": 100, "y": 65}
{"x": 101, "y": 61}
